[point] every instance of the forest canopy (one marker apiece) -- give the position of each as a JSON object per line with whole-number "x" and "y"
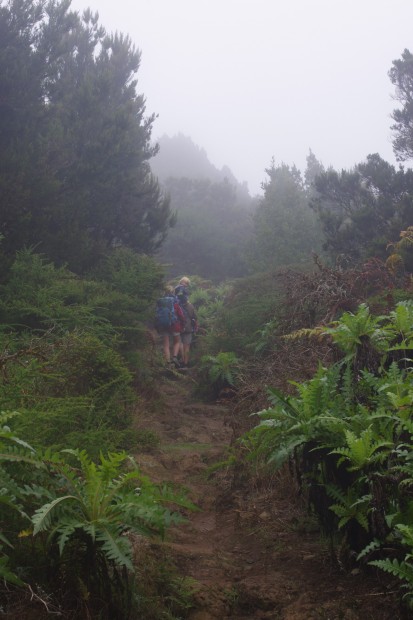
{"x": 75, "y": 141}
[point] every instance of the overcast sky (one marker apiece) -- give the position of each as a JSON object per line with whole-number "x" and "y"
{"x": 252, "y": 80}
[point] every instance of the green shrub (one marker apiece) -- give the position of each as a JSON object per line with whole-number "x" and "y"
{"x": 251, "y": 303}
{"x": 70, "y": 523}
{"x": 349, "y": 429}
{"x": 220, "y": 371}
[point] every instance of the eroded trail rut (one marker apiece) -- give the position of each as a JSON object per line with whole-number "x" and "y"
{"x": 253, "y": 553}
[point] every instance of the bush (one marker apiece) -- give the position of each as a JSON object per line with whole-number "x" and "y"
{"x": 249, "y": 304}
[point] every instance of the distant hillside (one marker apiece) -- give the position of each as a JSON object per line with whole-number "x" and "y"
{"x": 213, "y": 210}
{"x": 179, "y": 157}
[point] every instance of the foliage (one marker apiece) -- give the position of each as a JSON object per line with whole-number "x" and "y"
{"x": 286, "y": 231}
{"x": 259, "y": 311}
{"x": 127, "y": 272}
{"x": 321, "y": 295}
{"x": 112, "y": 303}
{"x": 362, "y": 208}
{"x": 74, "y": 138}
{"x": 402, "y": 569}
{"x": 348, "y": 432}
{"x": 401, "y": 251}
{"x": 161, "y": 593}
{"x": 78, "y": 523}
{"x": 63, "y": 339}
{"x": 246, "y": 305}
{"x": 66, "y": 388}
{"x": 221, "y": 370}
{"x": 401, "y": 76}
{"x": 62, "y": 342}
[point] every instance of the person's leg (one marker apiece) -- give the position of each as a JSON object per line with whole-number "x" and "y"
{"x": 186, "y": 353}
{"x": 186, "y": 340}
{"x": 166, "y": 348}
{"x": 176, "y": 345}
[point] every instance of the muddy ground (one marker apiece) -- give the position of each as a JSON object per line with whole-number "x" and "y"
{"x": 251, "y": 549}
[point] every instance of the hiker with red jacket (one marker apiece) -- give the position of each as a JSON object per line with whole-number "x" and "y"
{"x": 188, "y": 330}
{"x": 190, "y": 326}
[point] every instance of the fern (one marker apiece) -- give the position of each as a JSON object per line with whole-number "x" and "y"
{"x": 103, "y": 503}
{"x": 116, "y": 548}
{"x": 42, "y": 518}
{"x": 362, "y": 451}
{"x": 317, "y": 333}
{"x": 353, "y": 507}
{"x": 222, "y": 369}
{"x": 374, "y": 545}
{"x": 64, "y": 533}
{"x": 349, "y": 330}
{"x": 402, "y": 570}
{"x": 400, "y": 320}
{"x": 7, "y": 574}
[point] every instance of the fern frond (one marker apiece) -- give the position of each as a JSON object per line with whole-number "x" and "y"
{"x": 276, "y": 397}
{"x": 407, "y": 534}
{"x": 372, "y": 546}
{"x": 361, "y": 518}
{"x": 7, "y": 574}
{"x": 117, "y": 549}
{"x": 318, "y": 333}
{"x": 64, "y": 533}
{"x": 14, "y": 454}
{"x": 402, "y": 570}
{"x": 43, "y": 516}
{"x": 280, "y": 456}
{"x": 335, "y": 492}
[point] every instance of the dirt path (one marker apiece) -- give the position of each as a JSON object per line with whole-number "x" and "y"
{"x": 252, "y": 551}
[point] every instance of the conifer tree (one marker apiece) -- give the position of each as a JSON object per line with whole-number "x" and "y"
{"x": 76, "y": 179}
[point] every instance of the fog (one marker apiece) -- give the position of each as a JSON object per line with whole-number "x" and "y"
{"x": 252, "y": 80}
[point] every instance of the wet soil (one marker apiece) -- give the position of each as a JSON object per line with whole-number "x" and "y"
{"x": 251, "y": 549}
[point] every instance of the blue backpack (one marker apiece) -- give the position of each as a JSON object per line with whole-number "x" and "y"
{"x": 165, "y": 315}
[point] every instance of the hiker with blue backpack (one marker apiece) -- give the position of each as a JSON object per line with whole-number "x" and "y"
{"x": 169, "y": 322}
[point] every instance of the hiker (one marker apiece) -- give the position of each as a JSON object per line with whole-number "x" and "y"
{"x": 183, "y": 287}
{"x": 190, "y": 327}
{"x": 169, "y": 322}
{"x": 182, "y": 293}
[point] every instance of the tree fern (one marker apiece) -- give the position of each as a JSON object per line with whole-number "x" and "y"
{"x": 351, "y": 328}
{"x": 400, "y": 321}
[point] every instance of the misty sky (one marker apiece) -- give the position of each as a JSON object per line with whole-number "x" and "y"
{"x": 249, "y": 80}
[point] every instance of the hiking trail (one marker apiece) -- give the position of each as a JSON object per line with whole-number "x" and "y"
{"x": 253, "y": 550}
